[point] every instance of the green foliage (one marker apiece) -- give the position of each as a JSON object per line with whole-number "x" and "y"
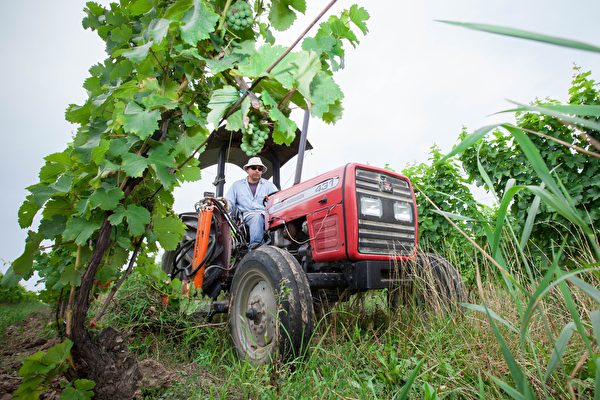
{"x": 80, "y": 389}
{"x": 444, "y": 184}
{"x": 10, "y": 294}
{"x": 40, "y": 368}
{"x": 173, "y": 72}
{"x": 501, "y": 157}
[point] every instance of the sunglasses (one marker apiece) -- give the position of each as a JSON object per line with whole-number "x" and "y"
{"x": 256, "y": 167}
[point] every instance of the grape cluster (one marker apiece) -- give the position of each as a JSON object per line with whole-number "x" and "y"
{"x": 239, "y": 15}
{"x": 254, "y": 137}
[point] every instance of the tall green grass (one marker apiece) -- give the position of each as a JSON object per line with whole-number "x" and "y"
{"x": 573, "y": 291}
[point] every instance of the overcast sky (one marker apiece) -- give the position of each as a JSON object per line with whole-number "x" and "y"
{"x": 412, "y": 82}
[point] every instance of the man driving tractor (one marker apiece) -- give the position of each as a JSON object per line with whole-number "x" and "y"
{"x": 247, "y": 197}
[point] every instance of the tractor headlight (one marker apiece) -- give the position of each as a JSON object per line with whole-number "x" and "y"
{"x": 403, "y": 211}
{"x": 371, "y": 206}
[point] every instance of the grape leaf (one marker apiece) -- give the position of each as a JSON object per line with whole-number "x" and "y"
{"x": 156, "y": 101}
{"x": 139, "y": 7}
{"x": 80, "y": 229}
{"x": 324, "y": 93}
{"x": 163, "y": 163}
{"x": 53, "y": 226}
{"x": 169, "y": 231}
{"x": 140, "y": 122}
{"x": 257, "y": 64}
{"x": 190, "y": 172}
{"x": 358, "y": 15}
{"x": 40, "y": 193}
{"x": 282, "y": 14}
{"x": 63, "y": 184}
{"x": 133, "y": 165}
{"x": 187, "y": 143}
{"x": 27, "y": 211}
{"x": 84, "y": 384}
{"x": 22, "y": 265}
{"x": 106, "y": 199}
{"x": 139, "y": 53}
{"x": 238, "y": 120}
{"x": 121, "y": 34}
{"x": 177, "y": 9}
{"x": 334, "y": 113}
{"x": 57, "y": 354}
{"x": 285, "y": 129}
{"x": 199, "y": 22}
{"x": 70, "y": 276}
{"x": 222, "y": 64}
{"x": 50, "y": 171}
{"x": 219, "y": 102}
{"x": 99, "y": 152}
{"x": 137, "y": 218}
{"x": 158, "y": 29}
{"x": 309, "y": 65}
{"x": 78, "y": 114}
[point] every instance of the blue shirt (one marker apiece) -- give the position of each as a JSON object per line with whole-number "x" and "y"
{"x": 241, "y": 199}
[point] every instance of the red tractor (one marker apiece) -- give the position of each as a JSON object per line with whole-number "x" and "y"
{"x": 349, "y": 230}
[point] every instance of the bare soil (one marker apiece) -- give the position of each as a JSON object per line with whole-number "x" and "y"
{"x": 20, "y": 341}
{"x": 29, "y": 336}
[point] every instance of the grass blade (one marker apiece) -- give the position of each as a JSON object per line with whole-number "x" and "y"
{"x": 559, "y": 348}
{"x": 486, "y": 177}
{"x": 535, "y": 159}
{"x": 587, "y": 288}
{"x": 590, "y": 124}
{"x": 521, "y": 34}
{"x": 501, "y": 216}
{"x": 535, "y": 299}
{"x": 531, "y": 214}
{"x": 481, "y": 387}
{"x": 595, "y": 318}
{"x": 454, "y": 216}
{"x": 574, "y": 311}
{"x": 511, "y": 391}
{"x": 469, "y": 141}
{"x": 582, "y": 110}
{"x": 515, "y": 370}
{"x": 560, "y": 206}
{"x": 410, "y": 381}
{"x": 491, "y": 313}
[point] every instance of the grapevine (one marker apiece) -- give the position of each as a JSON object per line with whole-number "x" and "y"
{"x": 167, "y": 78}
{"x": 239, "y": 16}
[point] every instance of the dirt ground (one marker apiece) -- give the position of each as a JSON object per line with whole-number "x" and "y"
{"x": 28, "y": 337}
{"x": 20, "y": 341}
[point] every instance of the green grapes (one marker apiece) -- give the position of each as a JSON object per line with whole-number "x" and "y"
{"x": 255, "y": 136}
{"x": 239, "y": 15}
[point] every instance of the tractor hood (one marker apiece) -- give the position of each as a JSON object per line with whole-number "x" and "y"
{"x": 271, "y": 153}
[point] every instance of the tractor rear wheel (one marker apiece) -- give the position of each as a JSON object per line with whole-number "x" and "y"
{"x": 180, "y": 260}
{"x": 271, "y": 312}
{"x": 178, "y": 263}
{"x": 433, "y": 282}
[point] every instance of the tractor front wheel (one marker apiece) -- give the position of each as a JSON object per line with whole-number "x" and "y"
{"x": 271, "y": 312}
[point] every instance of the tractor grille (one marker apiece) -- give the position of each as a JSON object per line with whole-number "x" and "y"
{"x": 384, "y": 235}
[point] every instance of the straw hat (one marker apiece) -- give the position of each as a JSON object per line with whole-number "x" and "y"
{"x": 255, "y": 161}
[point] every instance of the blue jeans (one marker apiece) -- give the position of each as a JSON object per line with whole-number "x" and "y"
{"x": 256, "y": 226}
